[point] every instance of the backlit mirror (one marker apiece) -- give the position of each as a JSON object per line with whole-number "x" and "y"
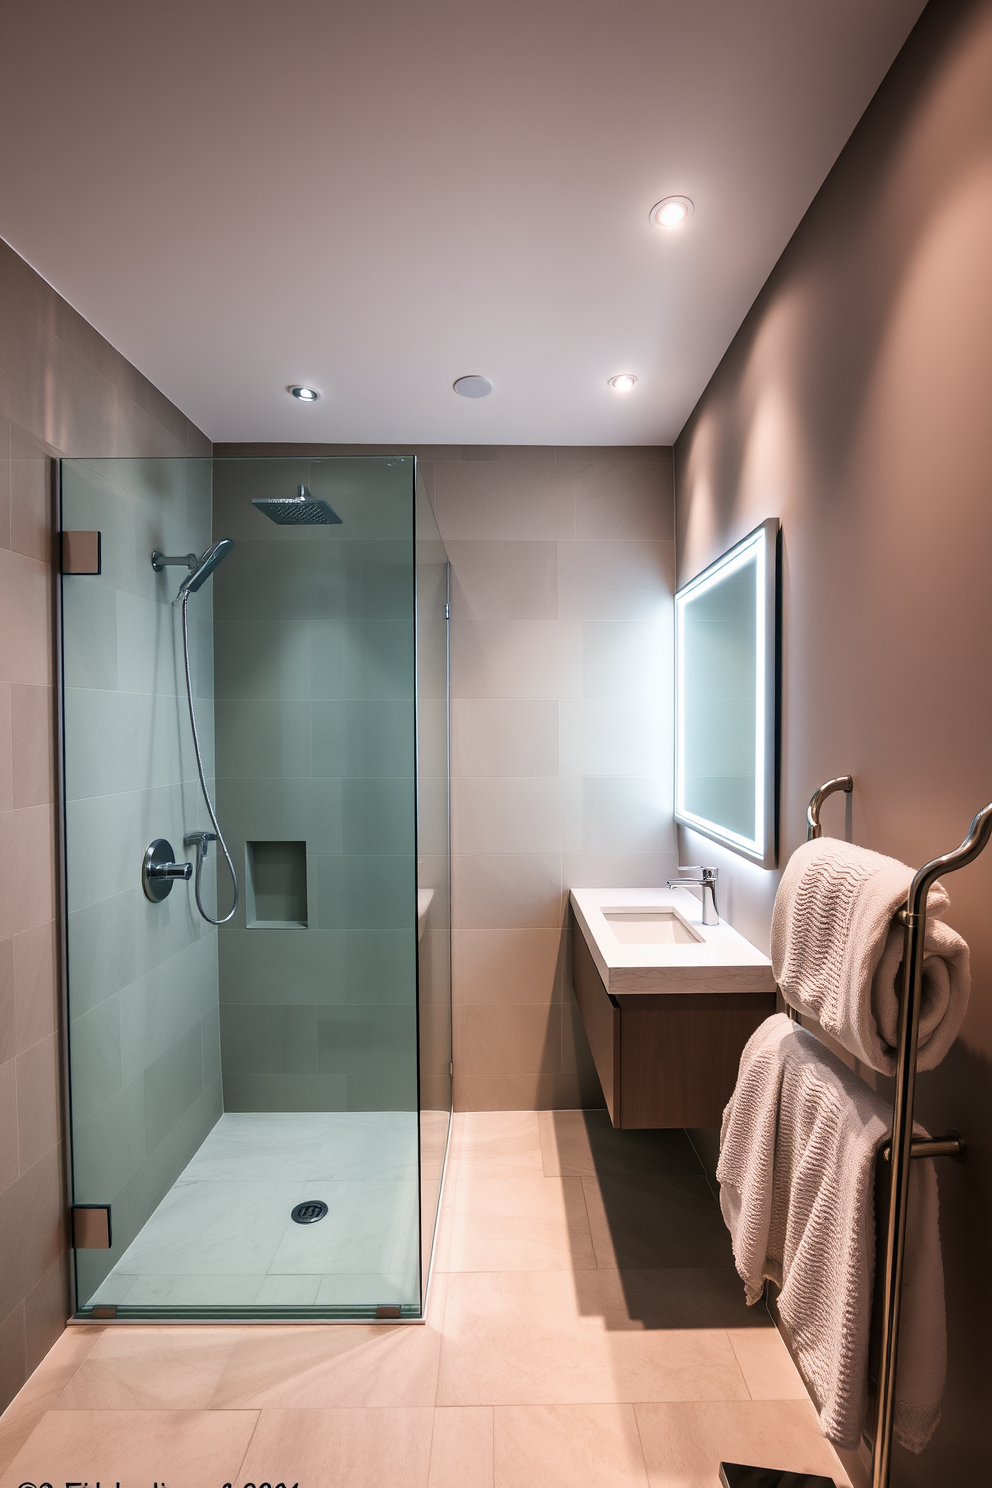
{"x": 726, "y": 638}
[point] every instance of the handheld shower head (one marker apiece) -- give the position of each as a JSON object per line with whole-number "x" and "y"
{"x": 204, "y": 568}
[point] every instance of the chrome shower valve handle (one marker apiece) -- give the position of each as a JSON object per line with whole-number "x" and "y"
{"x": 708, "y": 879}
{"x": 159, "y": 870}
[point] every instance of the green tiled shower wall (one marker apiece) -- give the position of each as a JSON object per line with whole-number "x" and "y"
{"x": 144, "y": 1031}
{"x": 315, "y": 743}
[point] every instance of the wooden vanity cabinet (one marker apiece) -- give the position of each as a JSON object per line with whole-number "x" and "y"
{"x": 668, "y": 1058}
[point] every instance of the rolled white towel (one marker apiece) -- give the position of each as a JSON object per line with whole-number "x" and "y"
{"x": 836, "y": 952}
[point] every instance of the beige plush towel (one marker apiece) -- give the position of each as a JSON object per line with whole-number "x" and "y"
{"x": 837, "y": 952}
{"x": 796, "y": 1171}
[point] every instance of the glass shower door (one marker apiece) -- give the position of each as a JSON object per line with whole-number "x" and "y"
{"x": 263, "y": 1107}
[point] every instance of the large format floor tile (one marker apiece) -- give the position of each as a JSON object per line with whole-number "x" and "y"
{"x": 509, "y": 1219}
{"x": 356, "y": 1448}
{"x": 586, "y": 1329}
{"x": 559, "y": 1446}
{"x": 188, "y": 1449}
{"x": 684, "y": 1444}
{"x": 519, "y": 1338}
{"x": 148, "y": 1369}
{"x": 349, "y": 1365}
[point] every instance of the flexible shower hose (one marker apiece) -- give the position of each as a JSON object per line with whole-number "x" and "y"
{"x": 201, "y": 852}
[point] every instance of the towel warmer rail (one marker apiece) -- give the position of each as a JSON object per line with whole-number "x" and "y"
{"x": 903, "y": 1147}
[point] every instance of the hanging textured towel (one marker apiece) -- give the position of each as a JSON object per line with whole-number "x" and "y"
{"x": 836, "y": 952}
{"x": 796, "y": 1172}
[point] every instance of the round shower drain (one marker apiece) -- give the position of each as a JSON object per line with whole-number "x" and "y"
{"x": 310, "y": 1212}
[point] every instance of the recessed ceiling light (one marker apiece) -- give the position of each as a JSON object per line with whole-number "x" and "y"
{"x": 623, "y": 382}
{"x": 671, "y": 211}
{"x": 305, "y": 394}
{"x": 472, "y": 386}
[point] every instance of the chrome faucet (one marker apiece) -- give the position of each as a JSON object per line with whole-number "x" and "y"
{"x": 708, "y": 879}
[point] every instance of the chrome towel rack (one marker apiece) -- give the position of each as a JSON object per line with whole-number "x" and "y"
{"x": 903, "y": 1147}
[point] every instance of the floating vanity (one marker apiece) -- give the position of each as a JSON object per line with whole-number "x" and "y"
{"x": 668, "y": 1003}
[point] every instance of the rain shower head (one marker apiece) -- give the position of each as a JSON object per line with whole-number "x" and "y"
{"x": 296, "y": 511}
{"x": 204, "y": 568}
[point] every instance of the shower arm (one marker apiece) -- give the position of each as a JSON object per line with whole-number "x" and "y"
{"x": 164, "y": 560}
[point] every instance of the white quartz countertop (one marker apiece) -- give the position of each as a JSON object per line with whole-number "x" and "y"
{"x": 722, "y": 961}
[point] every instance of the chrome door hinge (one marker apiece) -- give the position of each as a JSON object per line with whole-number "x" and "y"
{"x": 451, "y": 1069}
{"x": 447, "y": 612}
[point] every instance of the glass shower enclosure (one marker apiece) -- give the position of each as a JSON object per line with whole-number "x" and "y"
{"x": 256, "y": 885}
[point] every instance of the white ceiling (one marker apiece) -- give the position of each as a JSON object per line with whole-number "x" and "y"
{"x": 379, "y": 197}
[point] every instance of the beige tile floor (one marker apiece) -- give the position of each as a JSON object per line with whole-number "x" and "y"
{"x": 585, "y": 1329}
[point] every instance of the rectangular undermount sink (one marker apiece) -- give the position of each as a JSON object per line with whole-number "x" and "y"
{"x": 650, "y": 927}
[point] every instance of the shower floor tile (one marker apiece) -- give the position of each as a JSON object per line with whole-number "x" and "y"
{"x": 223, "y": 1235}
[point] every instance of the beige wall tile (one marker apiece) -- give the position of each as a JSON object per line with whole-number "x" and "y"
{"x": 508, "y": 1039}
{"x": 33, "y": 744}
{"x": 38, "y": 1103}
{"x": 515, "y": 658}
{"x": 621, "y": 738}
{"x": 12, "y": 1366}
{"x": 504, "y": 736}
{"x": 505, "y": 814}
{"x": 629, "y": 870}
{"x": 606, "y": 580}
{"x": 560, "y": 1446}
{"x": 4, "y": 482}
{"x": 31, "y": 473}
{"x": 517, "y": 1092}
{"x": 512, "y": 891}
{"x": 505, "y": 580}
{"x": 618, "y": 498}
{"x": 514, "y": 499}
{"x": 27, "y": 868}
{"x": 46, "y": 1308}
{"x": 462, "y": 1448}
{"x": 32, "y": 1233}
{"x": 9, "y": 1164}
{"x": 601, "y": 814}
{"x": 7, "y": 749}
{"x": 505, "y": 967}
{"x": 25, "y": 620}
{"x": 36, "y": 1001}
{"x": 628, "y": 658}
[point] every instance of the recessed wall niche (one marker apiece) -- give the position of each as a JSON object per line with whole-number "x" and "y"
{"x": 276, "y": 885}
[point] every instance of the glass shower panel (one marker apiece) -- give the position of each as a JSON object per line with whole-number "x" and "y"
{"x": 260, "y": 1105}
{"x": 433, "y": 861}
{"x": 143, "y": 1024}
{"x": 316, "y": 761}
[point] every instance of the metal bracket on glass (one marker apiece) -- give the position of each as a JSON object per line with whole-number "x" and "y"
{"x": 159, "y": 870}
{"x": 162, "y": 560}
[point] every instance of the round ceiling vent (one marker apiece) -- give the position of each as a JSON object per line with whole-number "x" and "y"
{"x": 472, "y": 387}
